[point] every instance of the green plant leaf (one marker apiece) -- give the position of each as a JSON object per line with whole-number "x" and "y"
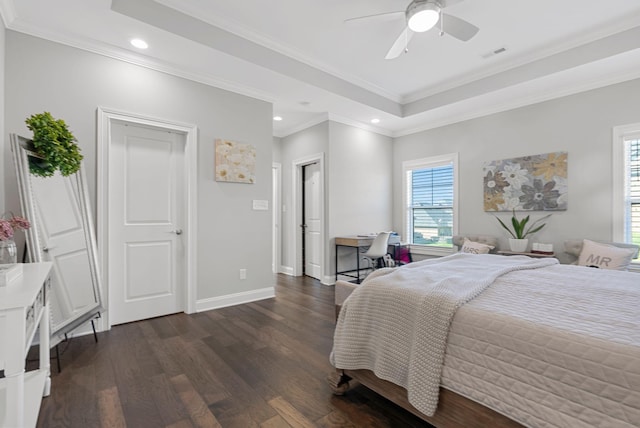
{"x": 505, "y": 226}
{"x": 519, "y": 226}
{"x": 57, "y": 146}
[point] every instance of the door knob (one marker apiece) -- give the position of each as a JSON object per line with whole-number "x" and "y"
{"x": 177, "y": 231}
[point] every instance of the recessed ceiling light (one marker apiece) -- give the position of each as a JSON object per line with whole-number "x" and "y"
{"x": 375, "y": 120}
{"x": 277, "y": 118}
{"x": 139, "y": 43}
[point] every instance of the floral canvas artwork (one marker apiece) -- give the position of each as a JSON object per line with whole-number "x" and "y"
{"x": 235, "y": 162}
{"x": 529, "y": 183}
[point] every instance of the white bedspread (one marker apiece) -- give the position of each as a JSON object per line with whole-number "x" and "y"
{"x": 397, "y": 322}
{"x": 561, "y": 351}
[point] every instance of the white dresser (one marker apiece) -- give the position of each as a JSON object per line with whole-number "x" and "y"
{"x": 24, "y": 307}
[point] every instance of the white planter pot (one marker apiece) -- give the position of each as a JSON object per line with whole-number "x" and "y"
{"x": 518, "y": 245}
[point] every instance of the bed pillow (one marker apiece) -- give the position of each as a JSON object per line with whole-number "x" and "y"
{"x": 475, "y": 247}
{"x": 604, "y": 256}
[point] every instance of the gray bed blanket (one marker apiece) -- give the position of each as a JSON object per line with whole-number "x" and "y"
{"x": 396, "y": 323}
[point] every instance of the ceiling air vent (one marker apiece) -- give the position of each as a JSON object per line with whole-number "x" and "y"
{"x": 494, "y": 52}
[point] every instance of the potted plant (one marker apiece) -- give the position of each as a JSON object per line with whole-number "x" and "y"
{"x": 519, "y": 231}
{"x": 55, "y": 146}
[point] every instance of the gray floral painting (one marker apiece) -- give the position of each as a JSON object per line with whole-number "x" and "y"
{"x": 528, "y": 183}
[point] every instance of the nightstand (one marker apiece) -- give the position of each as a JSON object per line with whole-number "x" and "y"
{"x": 516, "y": 253}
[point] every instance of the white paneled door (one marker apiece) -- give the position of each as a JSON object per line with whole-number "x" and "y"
{"x": 146, "y": 202}
{"x": 312, "y": 220}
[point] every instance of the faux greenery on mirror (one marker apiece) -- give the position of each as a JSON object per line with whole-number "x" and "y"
{"x": 55, "y": 145}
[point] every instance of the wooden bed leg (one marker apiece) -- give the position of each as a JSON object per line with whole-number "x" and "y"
{"x": 338, "y": 381}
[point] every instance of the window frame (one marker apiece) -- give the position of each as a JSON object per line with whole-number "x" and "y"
{"x": 422, "y": 163}
{"x": 620, "y": 135}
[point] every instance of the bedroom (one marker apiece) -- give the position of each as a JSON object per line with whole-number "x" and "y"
{"x": 231, "y": 236}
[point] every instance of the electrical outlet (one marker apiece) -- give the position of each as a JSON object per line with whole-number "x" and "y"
{"x": 243, "y": 274}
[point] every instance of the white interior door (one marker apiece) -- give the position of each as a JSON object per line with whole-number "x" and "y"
{"x": 275, "y": 219}
{"x": 311, "y": 220}
{"x": 146, "y": 254}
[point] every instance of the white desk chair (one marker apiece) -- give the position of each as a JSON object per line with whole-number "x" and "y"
{"x": 378, "y": 249}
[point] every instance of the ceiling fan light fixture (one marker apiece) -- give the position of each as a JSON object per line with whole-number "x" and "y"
{"x": 422, "y": 16}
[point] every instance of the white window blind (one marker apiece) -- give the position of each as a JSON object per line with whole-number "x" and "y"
{"x": 430, "y": 201}
{"x": 632, "y": 189}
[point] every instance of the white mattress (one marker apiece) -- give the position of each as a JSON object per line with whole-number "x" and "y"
{"x": 563, "y": 352}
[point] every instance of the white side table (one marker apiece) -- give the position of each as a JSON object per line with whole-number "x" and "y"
{"x": 24, "y": 307}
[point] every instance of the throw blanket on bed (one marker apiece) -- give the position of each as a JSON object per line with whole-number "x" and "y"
{"x": 396, "y": 323}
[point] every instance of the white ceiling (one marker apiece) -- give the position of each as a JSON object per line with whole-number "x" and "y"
{"x": 301, "y": 55}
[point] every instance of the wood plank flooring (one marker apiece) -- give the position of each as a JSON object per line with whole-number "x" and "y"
{"x": 261, "y": 364}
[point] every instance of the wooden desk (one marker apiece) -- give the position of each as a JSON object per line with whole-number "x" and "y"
{"x": 357, "y": 243}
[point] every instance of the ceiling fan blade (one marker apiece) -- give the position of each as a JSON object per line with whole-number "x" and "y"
{"x": 456, "y": 27}
{"x": 447, "y": 3}
{"x": 376, "y": 17}
{"x": 400, "y": 44}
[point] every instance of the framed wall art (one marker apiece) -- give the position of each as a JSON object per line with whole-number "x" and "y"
{"x": 528, "y": 183}
{"x": 235, "y": 162}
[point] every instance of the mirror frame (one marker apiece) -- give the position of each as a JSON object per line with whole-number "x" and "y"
{"x": 22, "y": 149}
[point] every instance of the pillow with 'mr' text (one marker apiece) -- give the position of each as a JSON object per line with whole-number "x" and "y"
{"x": 604, "y": 256}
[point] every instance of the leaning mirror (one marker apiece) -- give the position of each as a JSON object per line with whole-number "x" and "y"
{"x": 61, "y": 232}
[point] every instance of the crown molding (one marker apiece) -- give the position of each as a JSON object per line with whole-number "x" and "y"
{"x": 515, "y": 102}
{"x": 245, "y": 32}
{"x": 524, "y": 60}
{"x": 8, "y": 12}
{"x": 319, "y": 118}
{"x": 100, "y": 48}
{"x": 350, "y": 122}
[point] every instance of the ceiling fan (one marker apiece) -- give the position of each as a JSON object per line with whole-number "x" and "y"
{"x": 421, "y": 16}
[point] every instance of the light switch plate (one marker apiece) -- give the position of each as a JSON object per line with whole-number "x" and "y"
{"x": 260, "y": 205}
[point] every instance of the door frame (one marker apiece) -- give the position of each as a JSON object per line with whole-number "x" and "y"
{"x": 106, "y": 117}
{"x": 297, "y": 166}
{"x": 276, "y": 206}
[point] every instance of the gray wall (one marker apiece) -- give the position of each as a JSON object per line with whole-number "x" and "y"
{"x": 276, "y": 150}
{"x": 311, "y": 141}
{"x": 358, "y": 180}
{"x": 4, "y": 148}
{"x": 72, "y": 83}
{"x": 580, "y": 124}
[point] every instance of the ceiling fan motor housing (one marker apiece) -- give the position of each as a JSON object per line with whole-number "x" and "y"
{"x": 422, "y": 15}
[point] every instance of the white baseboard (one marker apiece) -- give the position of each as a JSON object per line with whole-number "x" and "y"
{"x": 328, "y": 280}
{"x": 287, "y": 270}
{"x": 235, "y": 299}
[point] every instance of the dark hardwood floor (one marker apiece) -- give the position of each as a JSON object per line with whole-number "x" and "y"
{"x": 261, "y": 364}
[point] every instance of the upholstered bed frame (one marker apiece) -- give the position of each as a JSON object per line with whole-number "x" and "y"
{"x": 458, "y": 240}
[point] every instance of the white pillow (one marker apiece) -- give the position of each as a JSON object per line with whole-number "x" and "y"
{"x": 595, "y": 254}
{"x": 475, "y": 247}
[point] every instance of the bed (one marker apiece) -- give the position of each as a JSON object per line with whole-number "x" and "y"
{"x": 530, "y": 342}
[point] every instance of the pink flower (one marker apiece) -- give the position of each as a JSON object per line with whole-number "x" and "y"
{"x": 8, "y": 227}
{"x": 6, "y": 231}
{"x": 20, "y": 223}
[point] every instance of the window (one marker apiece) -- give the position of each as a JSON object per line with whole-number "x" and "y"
{"x": 430, "y": 198}
{"x": 626, "y": 181}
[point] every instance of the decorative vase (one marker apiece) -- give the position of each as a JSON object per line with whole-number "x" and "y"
{"x": 8, "y": 252}
{"x": 518, "y": 245}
